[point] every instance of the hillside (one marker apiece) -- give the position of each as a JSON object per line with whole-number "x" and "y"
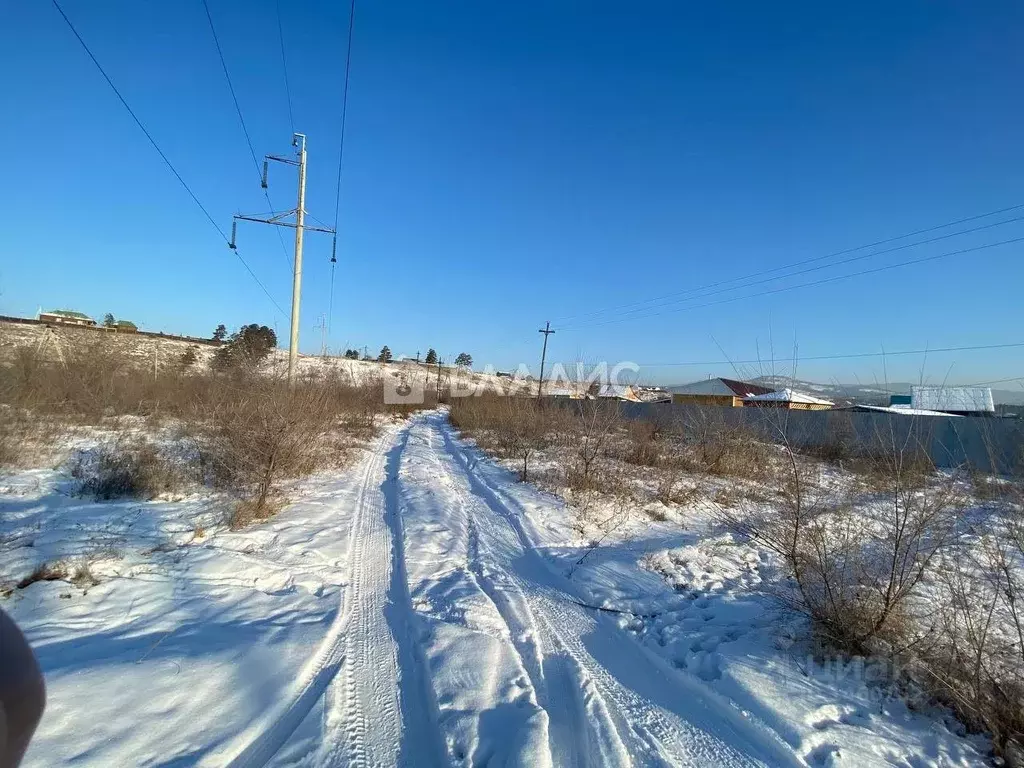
{"x": 148, "y": 353}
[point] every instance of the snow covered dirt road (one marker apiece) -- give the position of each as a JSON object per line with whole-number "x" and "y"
{"x": 397, "y": 613}
{"x": 522, "y": 672}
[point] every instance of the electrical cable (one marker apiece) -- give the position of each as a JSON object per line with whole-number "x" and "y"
{"x": 814, "y": 259}
{"x": 160, "y": 152}
{"x": 823, "y": 281}
{"x": 245, "y": 130}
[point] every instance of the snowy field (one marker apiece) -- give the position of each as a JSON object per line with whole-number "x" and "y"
{"x": 423, "y": 608}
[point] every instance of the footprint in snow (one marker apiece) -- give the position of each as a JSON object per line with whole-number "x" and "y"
{"x": 825, "y": 756}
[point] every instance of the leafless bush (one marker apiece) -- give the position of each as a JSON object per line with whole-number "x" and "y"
{"x": 644, "y": 440}
{"x": 514, "y": 427}
{"x": 855, "y": 565}
{"x": 266, "y": 433}
{"x": 587, "y": 428}
{"x": 128, "y": 467}
{"x": 611, "y": 517}
{"x": 976, "y": 665}
{"x": 27, "y": 439}
{"x": 718, "y": 448}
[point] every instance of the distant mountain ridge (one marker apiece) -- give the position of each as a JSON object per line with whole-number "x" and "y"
{"x": 869, "y": 394}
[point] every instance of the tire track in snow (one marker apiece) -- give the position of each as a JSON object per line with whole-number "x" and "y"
{"x": 366, "y": 689}
{"x": 656, "y": 724}
{"x": 261, "y": 741}
{"x": 380, "y": 712}
{"x": 518, "y": 634}
{"x": 557, "y": 694}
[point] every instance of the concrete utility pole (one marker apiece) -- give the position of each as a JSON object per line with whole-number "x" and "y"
{"x": 300, "y": 221}
{"x": 278, "y": 220}
{"x": 546, "y": 330}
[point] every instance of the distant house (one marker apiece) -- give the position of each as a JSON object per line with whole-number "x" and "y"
{"x": 618, "y": 392}
{"x": 66, "y": 317}
{"x": 719, "y": 391}
{"x": 961, "y": 401}
{"x": 125, "y": 326}
{"x": 788, "y": 399}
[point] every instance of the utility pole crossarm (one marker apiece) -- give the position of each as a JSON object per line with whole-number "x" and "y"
{"x": 275, "y": 221}
{"x": 285, "y": 160}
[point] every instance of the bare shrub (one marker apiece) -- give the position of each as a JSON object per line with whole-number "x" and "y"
{"x": 644, "y": 440}
{"x": 514, "y": 427}
{"x": 588, "y": 427}
{"x": 266, "y": 433}
{"x": 128, "y": 467}
{"x": 27, "y": 439}
{"x": 976, "y": 664}
{"x": 717, "y": 448}
{"x": 607, "y": 521}
{"x": 855, "y": 565}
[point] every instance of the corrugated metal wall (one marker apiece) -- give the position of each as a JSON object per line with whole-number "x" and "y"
{"x": 985, "y": 444}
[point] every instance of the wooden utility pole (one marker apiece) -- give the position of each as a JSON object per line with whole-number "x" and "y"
{"x": 439, "y": 363}
{"x": 546, "y": 330}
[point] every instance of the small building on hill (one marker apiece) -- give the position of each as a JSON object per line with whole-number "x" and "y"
{"x": 67, "y": 317}
{"x": 961, "y": 401}
{"x": 718, "y": 391}
{"x": 788, "y": 399}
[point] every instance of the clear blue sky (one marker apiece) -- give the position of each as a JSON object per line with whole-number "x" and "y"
{"x": 508, "y": 163}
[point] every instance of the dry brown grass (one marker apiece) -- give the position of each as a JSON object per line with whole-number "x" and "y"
{"x": 248, "y": 433}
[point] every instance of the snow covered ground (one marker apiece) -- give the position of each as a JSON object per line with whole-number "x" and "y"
{"x": 418, "y": 609}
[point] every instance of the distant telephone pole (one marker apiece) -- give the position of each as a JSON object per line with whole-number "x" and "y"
{"x": 278, "y": 220}
{"x": 322, "y": 326}
{"x": 546, "y": 330}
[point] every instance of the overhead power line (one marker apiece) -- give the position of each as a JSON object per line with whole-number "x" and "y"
{"x": 819, "y": 267}
{"x": 772, "y": 270}
{"x": 784, "y": 288}
{"x": 245, "y": 130}
{"x": 341, "y": 153}
{"x": 159, "y": 151}
{"x": 996, "y": 381}
{"x": 847, "y": 356}
{"x": 284, "y": 66}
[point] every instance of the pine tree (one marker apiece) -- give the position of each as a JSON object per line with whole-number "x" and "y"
{"x": 385, "y": 355}
{"x": 220, "y": 333}
{"x": 247, "y": 348}
{"x": 431, "y": 357}
{"x": 464, "y": 359}
{"x": 108, "y": 320}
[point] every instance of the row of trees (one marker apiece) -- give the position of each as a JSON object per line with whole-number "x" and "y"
{"x": 385, "y": 356}
{"x": 251, "y": 346}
